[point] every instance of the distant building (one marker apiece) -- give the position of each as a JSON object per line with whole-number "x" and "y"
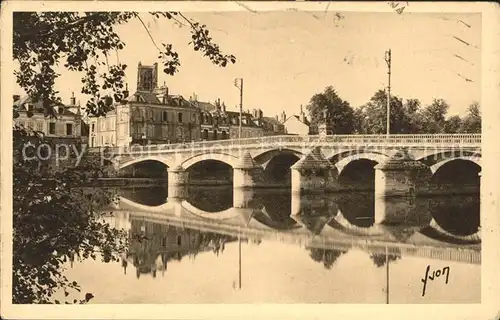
{"x": 64, "y": 125}
{"x": 272, "y": 126}
{"x": 217, "y": 123}
{"x": 214, "y": 120}
{"x": 150, "y": 116}
{"x": 251, "y": 126}
{"x": 296, "y": 124}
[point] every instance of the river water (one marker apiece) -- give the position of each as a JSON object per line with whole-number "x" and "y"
{"x": 217, "y": 245}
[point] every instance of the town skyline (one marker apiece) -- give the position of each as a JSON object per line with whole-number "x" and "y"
{"x": 284, "y": 66}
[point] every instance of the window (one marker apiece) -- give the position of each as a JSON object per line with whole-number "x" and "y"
{"x": 179, "y": 117}
{"x": 179, "y": 133}
{"x": 39, "y": 125}
{"x": 92, "y": 142}
{"x": 215, "y": 134}
{"x": 164, "y": 116}
{"x": 52, "y": 128}
{"x": 30, "y": 107}
{"x": 205, "y": 134}
{"x": 93, "y": 127}
{"x": 69, "y": 129}
{"x": 179, "y": 240}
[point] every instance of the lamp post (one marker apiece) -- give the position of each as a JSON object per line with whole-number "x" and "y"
{"x": 388, "y": 61}
{"x": 238, "y": 83}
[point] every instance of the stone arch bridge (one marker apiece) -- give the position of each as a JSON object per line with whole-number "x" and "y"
{"x": 403, "y": 165}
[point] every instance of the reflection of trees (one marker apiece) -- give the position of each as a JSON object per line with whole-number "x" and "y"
{"x": 325, "y": 256}
{"x": 379, "y": 259}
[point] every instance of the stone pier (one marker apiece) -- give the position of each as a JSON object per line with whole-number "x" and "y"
{"x": 314, "y": 173}
{"x": 401, "y": 176}
{"x": 246, "y": 174}
{"x": 177, "y": 181}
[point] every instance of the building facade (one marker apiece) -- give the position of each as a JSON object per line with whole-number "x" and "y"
{"x": 150, "y": 116}
{"x": 298, "y": 125}
{"x": 65, "y": 124}
{"x": 272, "y": 126}
{"x": 217, "y": 123}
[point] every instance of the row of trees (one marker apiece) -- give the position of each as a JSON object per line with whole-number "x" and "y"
{"x": 407, "y": 116}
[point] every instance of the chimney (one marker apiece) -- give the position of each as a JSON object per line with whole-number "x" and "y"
{"x": 283, "y": 117}
{"x": 16, "y": 97}
{"x": 72, "y": 99}
{"x": 277, "y": 118}
{"x": 302, "y": 115}
{"x": 223, "y": 107}
{"x": 165, "y": 95}
{"x": 261, "y": 114}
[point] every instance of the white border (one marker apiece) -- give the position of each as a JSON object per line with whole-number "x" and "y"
{"x": 488, "y": 309}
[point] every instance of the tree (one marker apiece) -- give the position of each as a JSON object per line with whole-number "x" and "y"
{"x": 411, "y": 110}
{"x": 453, "y": 124}
{"x": 374, "y": 115}
{"x": 340, "y": 115}
{"x": 432, "y": 118}
{"x": 54, "y": 219}
{"x": 472, "y": 121}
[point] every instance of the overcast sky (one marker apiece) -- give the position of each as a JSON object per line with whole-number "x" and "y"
{"x": 286, "y": 57}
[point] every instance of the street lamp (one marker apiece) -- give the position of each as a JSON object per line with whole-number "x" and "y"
{"x": 238, "y": 83}
{"x": 388, "y": 61}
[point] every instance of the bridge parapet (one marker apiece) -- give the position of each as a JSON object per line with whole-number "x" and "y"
{"x": 395, "y": 140}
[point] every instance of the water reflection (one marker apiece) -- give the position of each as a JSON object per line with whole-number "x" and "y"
{"x": 292, "y": 244}
{"x": 153, "y": 245}
{"x": 356, "y": 214}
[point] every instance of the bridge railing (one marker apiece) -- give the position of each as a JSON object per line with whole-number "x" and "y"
{"x": 408, "y": 140}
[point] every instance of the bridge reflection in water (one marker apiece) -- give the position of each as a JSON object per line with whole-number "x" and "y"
{"x": 166, "y": 228}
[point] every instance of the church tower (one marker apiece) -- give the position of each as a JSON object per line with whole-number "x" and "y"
{"x": 147, "y": 77}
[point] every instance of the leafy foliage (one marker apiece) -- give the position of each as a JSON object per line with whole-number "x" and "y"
{"x": 328, "y": 106}
{"x": 55, "y": 221}
{"x": 406, "y": 117}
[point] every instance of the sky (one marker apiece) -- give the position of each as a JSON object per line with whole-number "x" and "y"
{"x": 285, "y": 57}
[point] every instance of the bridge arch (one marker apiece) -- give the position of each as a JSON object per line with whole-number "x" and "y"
{"x": 371, "y": 156}
{"x": 222, "y": 157}
{"x": 356, "y": 171}
{"x": 128, "y": 163}
{"x": 263, "y": 158}
{"x": 276, "y": 164}
{"x": 475, "y": 159}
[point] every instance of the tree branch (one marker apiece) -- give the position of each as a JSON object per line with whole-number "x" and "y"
{"x": 147, "y": 30}
{"x": 32, "y": 32}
